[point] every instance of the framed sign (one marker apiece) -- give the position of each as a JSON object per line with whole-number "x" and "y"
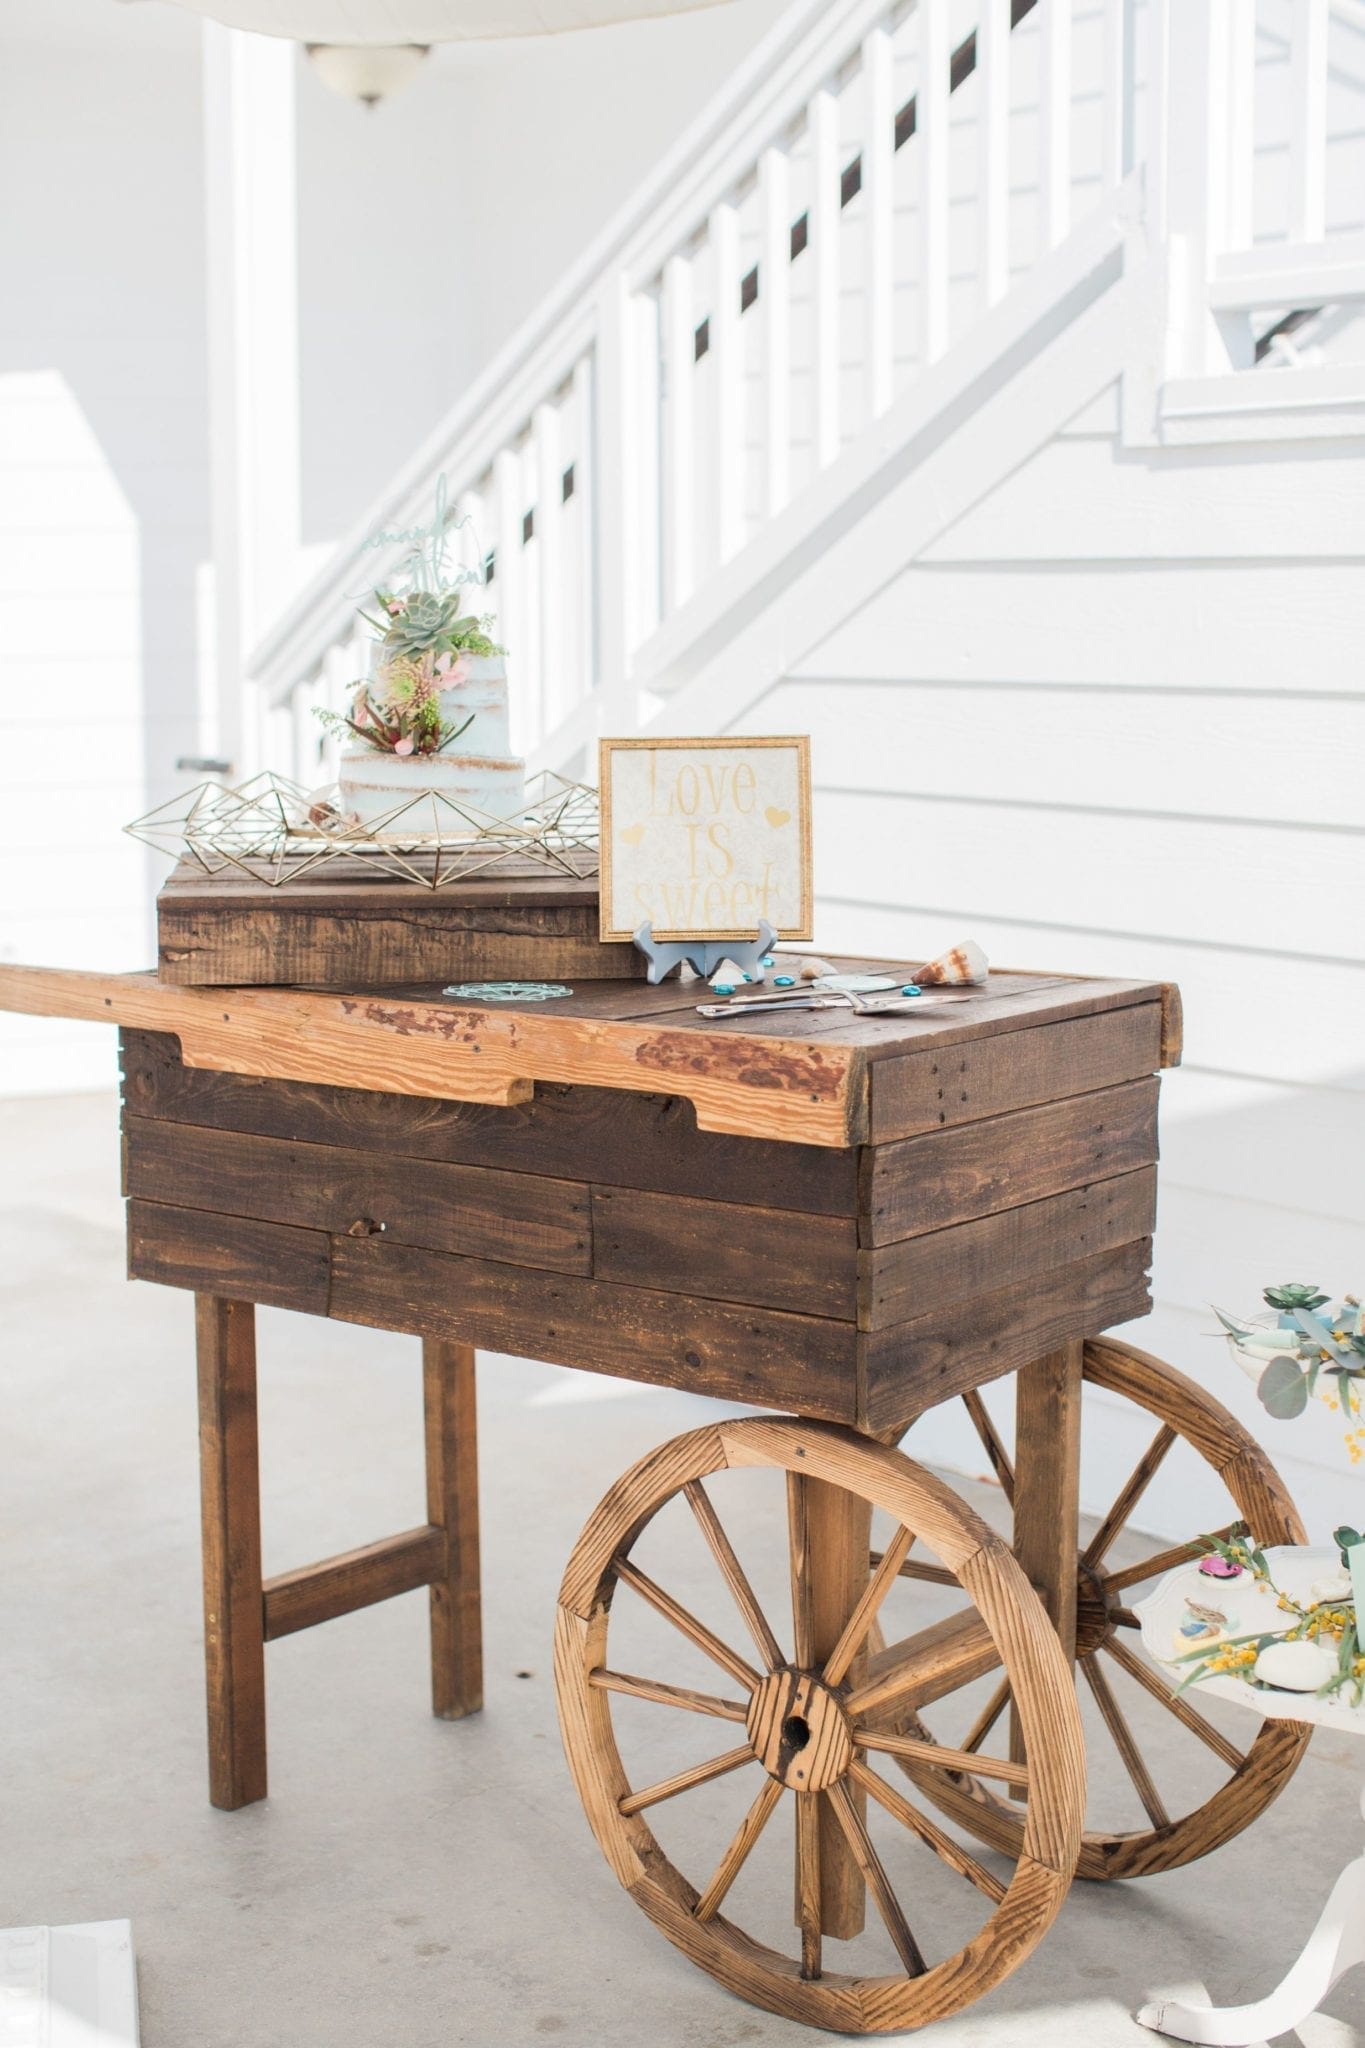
{"x": 702, "y": 838}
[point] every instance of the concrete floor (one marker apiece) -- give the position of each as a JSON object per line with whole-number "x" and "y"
{"x": 413, "y": 1883}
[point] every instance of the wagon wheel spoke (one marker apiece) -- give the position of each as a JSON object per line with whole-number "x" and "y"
{"x": 1130, "y": 1493}
{"x": 922, "y": 1750}
{"x": 932, "y": 1574}
{"x": 1176, "y": 1703}
{"x": 1124, "y": 1743}
{"x": 943, "y": 1846}
{"x": 683, "y": 1781}
{"x": 1001, "y": 1463}
{"x": 875, "y": 1878}
{"x": 865, "y": 1611}
{"x": 696, "y": 1631}
{"x": 669, "y": 1695}
{"x": 1164, "y": 1561}
{"x": 732, "y": 1571}
{"x": 987, "y": 1718}
{"x": 732, "y": 1862}
{"x": 808, "y": 1880}
{"x": 798, "y": 1537}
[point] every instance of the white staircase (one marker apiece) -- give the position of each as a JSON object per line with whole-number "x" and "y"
{"x": 888, "y": 215}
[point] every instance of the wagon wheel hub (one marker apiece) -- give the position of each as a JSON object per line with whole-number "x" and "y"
{"x": 799, "y": 1730}
{"x": 1096, "y": 1611}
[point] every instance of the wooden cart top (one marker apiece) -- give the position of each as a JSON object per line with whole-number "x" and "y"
{"x": 823, "y": 1077}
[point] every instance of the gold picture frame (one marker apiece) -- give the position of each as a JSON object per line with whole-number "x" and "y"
{"x": 790, "y": 897}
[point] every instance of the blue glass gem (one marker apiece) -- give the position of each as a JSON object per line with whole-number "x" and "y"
{"x": 784, "y": 981}
{"x": 748, "y": 977}
{"x": 768, "y": 960}
{"x": 911, "y": 989}
{"x": 724, "y": 988}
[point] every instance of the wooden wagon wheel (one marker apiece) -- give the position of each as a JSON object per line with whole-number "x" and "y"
{"x": 809, "y": 1719}
{"x": 1107, "y": 1645}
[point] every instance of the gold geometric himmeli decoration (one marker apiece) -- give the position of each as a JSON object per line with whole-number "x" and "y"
{"x": 277, "y": 831}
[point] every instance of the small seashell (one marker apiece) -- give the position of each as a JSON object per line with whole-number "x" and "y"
{"x": 1334, "y": 1588}
{"x": 1217, "y": 1567}
{"x": 812, "y": 969}
{"x": 1295, "y": 1667}
{"x": 962, "y": 966}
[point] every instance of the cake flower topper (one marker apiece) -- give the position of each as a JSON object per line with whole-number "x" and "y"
{"x": 424, "y": 641}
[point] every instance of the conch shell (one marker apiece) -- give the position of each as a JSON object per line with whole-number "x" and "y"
{"x": 962, "y": 966}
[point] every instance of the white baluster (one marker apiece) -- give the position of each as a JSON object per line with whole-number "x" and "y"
{"x": 1307, "y": 120}
{"x": 302, "y": 699}
{"x": 823, "y": 120}
{"x": 1055, "y": 170}
{"x": 931, "y": 144}
{"x": 1119, "y": 60}
{"x": 507, "y": 581}
{"x": 584, "y": 487}
{"x": 1241, "y": 112}
{"x": 471, "y": 547}
{"x": 728, "y": 376}
{"x": 549, "y": 692}
{"x": 621, "y": 433}
{"x": 993, "y": 134}
{"x": 774, "y": 292}
{"x": 878, "y": 156}
{"x": 679, "y": 454}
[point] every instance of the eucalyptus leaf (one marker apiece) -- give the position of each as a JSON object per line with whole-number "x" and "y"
{"x": 1283, "y": 1389}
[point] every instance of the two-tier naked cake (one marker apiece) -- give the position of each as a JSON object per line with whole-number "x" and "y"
{"x": 474, "y": 769}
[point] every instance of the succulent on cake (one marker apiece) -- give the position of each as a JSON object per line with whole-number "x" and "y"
{"x": 400, "y": 713}
{"x": 428, "y": 622}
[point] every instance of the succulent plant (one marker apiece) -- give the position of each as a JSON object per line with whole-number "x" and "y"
{"x": 1294, "y": 1294}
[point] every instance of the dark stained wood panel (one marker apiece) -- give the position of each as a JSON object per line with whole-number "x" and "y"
{"x": 919, "y": 1274}
{"x": 605, "y": 1135}
{"x": 924, "y": 1091}
{"x": 341, "y": 926}
{"x": 476, "y": 1210}
{"x": 742, "y": 1354}
{"x": 913, "y": 1365}
{"x": 232, "y": 1256}
{"x": 968, "y": 1170}
{"x": 772, "y": 1258}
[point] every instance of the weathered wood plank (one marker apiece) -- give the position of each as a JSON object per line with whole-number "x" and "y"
{"x": 753, "y": 1087}
{"x": 604, "y": 1135}
{"x": 451, "y": 1428}
{"x": 232, "y": 1255}
{"x": 913, "y": 1365}
{"x": 757, "y": 1355}
{"x": 916, "y": 1275}
{"x": 520, "y": 1217}
{"x": 355, "y": 1578}
{"x": 923, "y": 1091}
{"x": 772, "y": 1258}
{"x": 953, "y": 1175}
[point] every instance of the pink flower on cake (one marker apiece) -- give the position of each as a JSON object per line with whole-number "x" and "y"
{"x": 403, "y": 746}
{"x": 457, "y": 672}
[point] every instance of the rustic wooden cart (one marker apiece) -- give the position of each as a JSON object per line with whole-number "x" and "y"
{"x": 850, "y": 1219}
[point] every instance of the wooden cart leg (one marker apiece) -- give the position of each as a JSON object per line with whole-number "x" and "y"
{"x": 234, "y": 1612}
{"x": 453, "y": 1507}
{"x": 837, "y": 1536}
{"x": 1047, "y": 1481}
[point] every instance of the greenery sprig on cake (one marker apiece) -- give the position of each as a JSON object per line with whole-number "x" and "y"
{"x": 426, "y": 640}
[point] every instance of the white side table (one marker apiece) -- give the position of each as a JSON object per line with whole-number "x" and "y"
{"x": 1338, "y": 1940}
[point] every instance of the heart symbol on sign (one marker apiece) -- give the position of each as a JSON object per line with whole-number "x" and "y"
{"x": 632, "y": 834}
{"x": 775, "y": 817}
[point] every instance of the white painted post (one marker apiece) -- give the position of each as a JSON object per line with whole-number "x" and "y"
{"x": 1307, "y": 120}
{"x": 1055, "y": 94}
{"x": 931, "y": 142}
{"x": 728, "y": 376}
{"x": 1238, "y": 226}
{"x": 585, "y": 495}
{"x": 1188, "y": 181}
{"x": 1117, "y": 94}
{"x": 879, "y": 121}
{"x": 823, "y": 122}
{"x": 993, "y": 132}
{"x": 549, "y": 547}
{"x": 679, "y": 465}
{"x": 507, "y": 582}
{"x": 253, "y": 355}
{"x": 618, "y": 541}
{"x": 774, "y": 294}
